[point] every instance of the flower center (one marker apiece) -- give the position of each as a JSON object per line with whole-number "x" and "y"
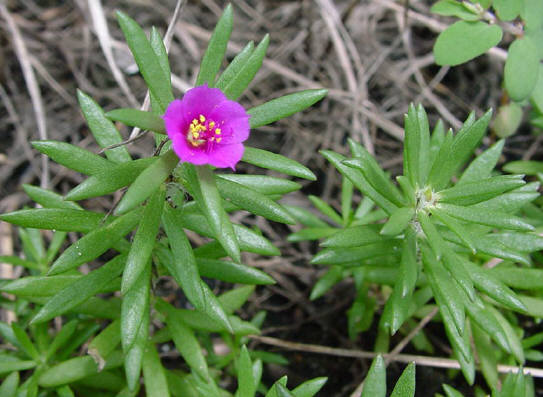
{"x": 202, "y": 131}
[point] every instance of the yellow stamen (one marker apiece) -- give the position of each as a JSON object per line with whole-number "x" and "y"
{"x": 219, "y": 140}
{"x": 218, "y": 131}
{"x": 202, "y": 118}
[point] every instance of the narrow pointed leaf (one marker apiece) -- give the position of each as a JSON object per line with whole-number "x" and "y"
{"x": 276, "y": 162}
{"x": 183, "y": 268}
{"x": 481, "y": 167}
{"x": 102, "y": 128}
{"x": 147, "y": 182}
{"x": 72, "y": 156}
{"x": 284, "y": 106}
{"x": 48, "y": 199}
{"x": 68, "y": 220}
{"x": 485, "y": 217}
{"x": 80, "y": 290}
{"x": 354, "y": 236}
{"x": 147, "y": 60}
{"x": 474, "y": 192}
{"x": 246, "y": 382}
{"x": 95, "y": 243}
{"x": 154, "y": 374}
{"x": 325, "y": 209}
{"x": 375, "y": 383}
{"x": 405, "y": 386}
{"x": 144, "y": 240}
{"x": 240, "y": 82}
{"x": 359, "y": 181}
{"x": 398, "y": 221}
{"x": 232, "y": 272}
{"x": 208, "y": 198}
{"x": 235, "y": 67}
{"x": 310, "y": 387}
{"x": 9, "y": 385}
{"x": 211, "y": 62}
{"x": 138, "y": 118}
{"x": 253, "y": 201}
{"x": 109, "y": 180}
{"x": 157, "y": 44}
{"x": 135, "y": 310}
{"x": 25, "y": 342}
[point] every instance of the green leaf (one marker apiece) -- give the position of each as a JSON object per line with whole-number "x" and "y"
{"x": 524, "y": 167}
{"x": 231, "y": 272}
{"x": 311, "y": 233}
{"x": 102, "y": 129}
{"x": 508, "y": 119}
{"x": 157, "y": 44}
{"x": 537, "y": 94}
{"x": 456, "y": 227}
{"x": 276, "y": 162}
{"x": 147, "y": 182}
{"x": 9, "y": 385}
{"x": 234, "y": 68}
{"x": 61, "y": 338}
{"x": 532, "y": 14}
{"x": 186, "y": 342}
{"x": 507, "y": 10}
{"x": 325, "y": 209}
{"x": 454, "y": 8}
{"x": 310, "y": 387}
{"x": 451, "y": 392}
{"x": 135, "y": 311}
{"x": 72, "y": 156}
{"x": 207, "y": 196}
{"x": 148, "y": 62}
{"x": 284, "y": 106}
{"x": 487, "y": 357}
{"x": 109, "y": 180}
{"x": 183, "y": 269}
{"x": 512, "y": 201}
{"x": 24, "y": 341}
{"x": 305, "y": 217}
{"x": 405, "y": 387}
{"x": 235, "y": 298}
{"x": 521, "y": 278}
{"x": 487, "y": 321}
{"x": 359, "y": 181}
{"x": 521, "y": 68}
{"x": 253, "y": 201}
{"x": 154, "y": 374}
{"x": 48, "y": 199}
{"x": 461, "y": 148}
{"x": 80, "y": 290}
{"x": 96, "y": 242}
{"x": 105, "y": 342}
{"x": 263, "y": 184}
{"x": 463, "y": 41}
{"x": 493, "y": 287}
{"x": 511, "y": 334}
{"x": 333, "y": 276}
{"x": 352, "y": 256}
{"x": 482, "y": 166}
{"x": 241, "y": 81}
{"x": 246, "y": 382}
{"x": 446, "y": 292}
{"x": 375, "y": 382}
{"x": 485, "y": 217}
{"x": 355, "y": 236}
{"x": 376, "y": 178}
{"x": 480, "y": 190}
{"x": 138, "y": 118}
{"x": 398, "y": 221}
{"x": 65, "y": 391}
{"x": 144, "y": 240}
{"x": 68, "y": 220}
{"x": 212, "y": 60}
{"x": 416, "y": 145}
{"x": 15, "y": 365}
{"x": 75, "y": 369}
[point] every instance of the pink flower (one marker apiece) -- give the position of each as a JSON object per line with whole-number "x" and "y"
{"x": 207, "y": 128}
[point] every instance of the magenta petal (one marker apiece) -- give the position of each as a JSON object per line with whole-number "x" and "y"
{"x": 202, "y": 100}
{"x": 234, "y": 121}
{"x": 226, "y": 156}
{"x": 174, "y": 120}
